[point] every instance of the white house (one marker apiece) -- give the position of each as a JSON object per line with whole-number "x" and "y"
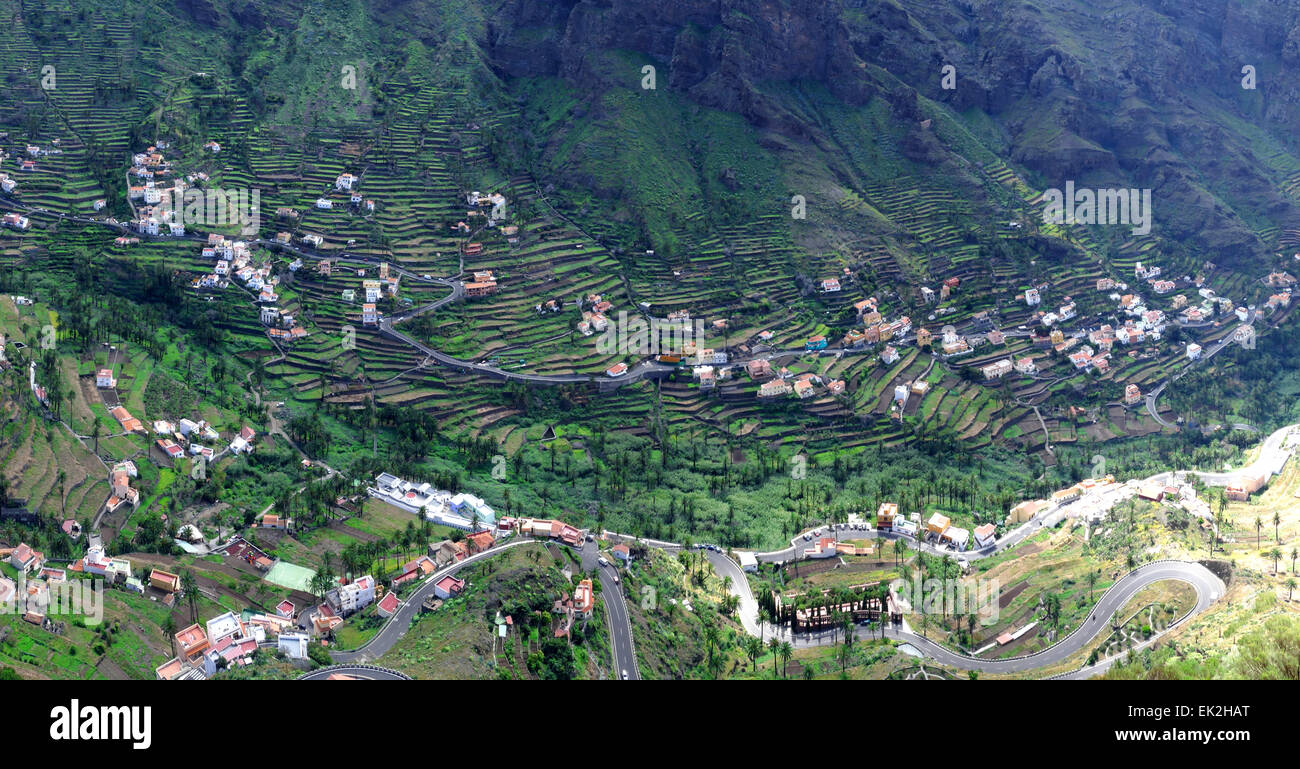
{"x": 354, "y": 596}
{"x": 900, "y": 396}
{"x": 104, "y": 378}
{"x": 466, "y": 505}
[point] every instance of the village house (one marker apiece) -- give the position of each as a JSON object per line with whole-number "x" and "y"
{"x": 369, "y": 315}
{"x": 584, "y": 599}
{"x": 774, "y": 389}
{"x": 901, "y": 395}
{"x": 1243, "y": 485}
{"x": 448, "y": 587}
{"x": 25, "y": 559}
{"x": 448, "y": 552}
{"x": 480, "y": 288}
{"x": 387, "y": 606}
{"x": 16, "y": 221}
{"x": 192, "y": 641}
{"x": 165, "y": 581}
{"x": 1132, "y": 394}
{"x": 997, "y": 370}
{"x": 353, "y": 596}
{"x": 277, "y": 522}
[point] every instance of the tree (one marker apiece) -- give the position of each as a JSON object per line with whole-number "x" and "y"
{"x": 169, "y": 627}
{"x": 787, "y": 651}
{"x": 63, "y": 492}
{"x": 1277, "y": 523}
{"x": 190, "y": 587}
{"x": 1259, "y": 527}
{"x": 753, "y": 648}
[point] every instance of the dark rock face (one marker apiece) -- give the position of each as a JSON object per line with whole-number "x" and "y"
{"x": 1113, "y": 93}
{"x": 717, "y": 50}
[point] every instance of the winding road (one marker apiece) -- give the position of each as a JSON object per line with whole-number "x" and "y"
{"x": 1207, "y": 586}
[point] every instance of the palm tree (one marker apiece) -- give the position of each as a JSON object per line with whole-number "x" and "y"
{"x": 1092, "y": 582}
{"x": 753, "y": 648}
{"x": 774, "y": 644}
{"x": 169, "y": 627}
{"x": 1277, "y": 522}
{"x": 1275, "y": 554}
{"x": 63, "y": 492}
{"x": 1259, "y": 526}
{"x": 1290, "y": 587}
{"x": 1294, "y": 555}
{"x": 787, "y": 651}
{"x": 190, "y": 587}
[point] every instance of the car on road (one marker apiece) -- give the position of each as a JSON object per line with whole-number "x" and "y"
{"x": 602, "y": 561}
{"x": 807, "y": 538}
{"x": 624, "y": 675}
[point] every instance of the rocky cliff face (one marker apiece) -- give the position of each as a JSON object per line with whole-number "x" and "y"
{"x": 716, "y": 50}
{"x": 1116, "y": 93}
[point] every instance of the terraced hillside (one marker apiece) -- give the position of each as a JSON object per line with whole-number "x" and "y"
{"x": 733, "y": 197}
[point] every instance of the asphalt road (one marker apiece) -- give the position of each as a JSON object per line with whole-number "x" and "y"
{"x": 1152, "y": 396}
{"x": 1208, "y": 587}
{"x": 400, "y": 622}
{"x": 620, "y": 624}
